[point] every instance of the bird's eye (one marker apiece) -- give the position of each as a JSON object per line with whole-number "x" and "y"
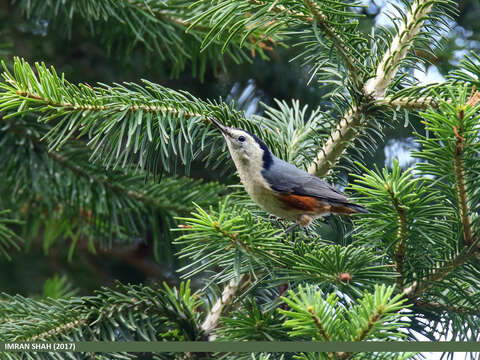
{"x": 241, "y": 138}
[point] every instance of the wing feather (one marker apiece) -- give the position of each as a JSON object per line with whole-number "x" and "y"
{"x": 288, "y": 179}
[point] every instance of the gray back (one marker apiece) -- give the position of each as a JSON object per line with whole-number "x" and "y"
{"x": 288, "y": 179}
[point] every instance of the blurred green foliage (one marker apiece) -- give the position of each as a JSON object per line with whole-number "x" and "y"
{"x": 86, "y": 59}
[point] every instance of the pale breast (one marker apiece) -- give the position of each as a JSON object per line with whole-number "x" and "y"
{"x": 260, "y": 191}
{"x": 268, "y": 200}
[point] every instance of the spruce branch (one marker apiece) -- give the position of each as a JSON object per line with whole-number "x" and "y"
{"x": 147, "y": 194}
{"x": 468, "y": 72}
{"x": 338, "y": 42}
{"x": 401, "y": 208}
{"x": 399, "y": 252}
{"x": 338, "y": 141}
{"x": 399, "y": 47}
{"x": 142, "y": 123}
{"x": 349, "y": 268}
{"x": 308, "y": 313}
{"x": 157, "y": 26}
{"x": 455, "y": 122}
{"x": 229, "y": 238}
{"x": 124, "y": 313}
{"x": 418, "y": 287}
{"x": 114, "y": 204}
{"x": 382, "y": 310}
{"x": 459, "y": 168}
{"x": 375, "y": 315}
{"x": 319, "y": 325}
{"x": 8, "y": 239}
{"x": 252, "y": 320}
{"x": 213, "y": 317}
{"x": 409, "y": 103}
{"x": 354, "y": 119}
{"x": 445, "y": 308}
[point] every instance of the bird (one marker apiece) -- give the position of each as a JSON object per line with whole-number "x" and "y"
{"x": 278, "y": 187}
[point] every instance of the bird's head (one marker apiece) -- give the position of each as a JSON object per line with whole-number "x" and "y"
{"x": 245, "y": 148}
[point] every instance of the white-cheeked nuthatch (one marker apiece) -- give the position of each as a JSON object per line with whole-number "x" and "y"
{"x": 281, "y": 188}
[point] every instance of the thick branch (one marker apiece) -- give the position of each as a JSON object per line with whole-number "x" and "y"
{"x": 336, "y": 144}
{"x": 421, "y": 103}
{"x": 213, "y": 317}
{"x": 351, "y": 123}
{"x": 398, "y": 49}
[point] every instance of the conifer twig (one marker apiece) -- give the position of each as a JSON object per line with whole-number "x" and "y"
{"x": 399, "y": 252}
{"x": 348, "y": 127}
{"x": 400, "y": 45}
{"x": 470, "y": 241}
{"x": 364, "y": 332}
{"x": 104, "y": 107}
{"x": 449, "y": 308}
{"x": 337, "y": 142}
{"x": 321, "y": 22}
{"x": 421, "y": 103}
{"x": 418, "y": 287}
{"x": 461, "y": 185}
{"x": 112, "y": 185}
{"x": 336, "y": 39}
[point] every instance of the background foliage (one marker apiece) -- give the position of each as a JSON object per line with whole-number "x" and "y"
{"x": 113, "y": 182}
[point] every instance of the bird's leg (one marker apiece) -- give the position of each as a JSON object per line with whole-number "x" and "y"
{"x": 302, "y": 220}
{"x": 291, "y": 227}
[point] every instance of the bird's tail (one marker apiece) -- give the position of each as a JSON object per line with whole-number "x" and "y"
{"x": 357, "y": 208}
{"x": 347, "y": 208}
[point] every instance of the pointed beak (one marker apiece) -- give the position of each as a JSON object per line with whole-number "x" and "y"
{"x": 222, "y": 128}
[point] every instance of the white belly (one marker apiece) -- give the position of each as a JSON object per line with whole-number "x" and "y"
{"x": 260, "y": 192}
{"x": 268, "y": 201}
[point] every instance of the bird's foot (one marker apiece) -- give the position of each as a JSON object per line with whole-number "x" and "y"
{"x": 291, "y": 228}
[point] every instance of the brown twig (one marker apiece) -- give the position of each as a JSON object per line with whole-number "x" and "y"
{"x": 364, "y": 332}
{"x": 399, "y": 252}
{"x": 418, "y": 287}
{"x": 449, "y": 308}
{"x": 460, "y": 182}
